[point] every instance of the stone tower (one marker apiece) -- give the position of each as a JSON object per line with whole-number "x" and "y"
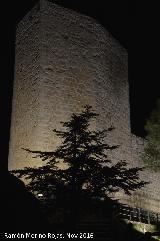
{"x": 65, "y": 60}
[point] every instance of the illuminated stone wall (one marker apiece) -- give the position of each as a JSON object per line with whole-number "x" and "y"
{"x": 27, "y": 90}
{"x": 65, "y": 60}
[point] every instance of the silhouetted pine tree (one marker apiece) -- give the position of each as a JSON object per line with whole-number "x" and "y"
{"x": 89, "y": 174}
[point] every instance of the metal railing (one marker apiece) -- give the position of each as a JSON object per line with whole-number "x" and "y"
{"x": 138, "y": 215}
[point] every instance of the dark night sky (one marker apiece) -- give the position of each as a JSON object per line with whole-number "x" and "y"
{"x": 130, "y": 24}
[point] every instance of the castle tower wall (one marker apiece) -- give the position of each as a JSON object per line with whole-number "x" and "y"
{"x": 26, "y": 90}
{"x": 65, "y": 60}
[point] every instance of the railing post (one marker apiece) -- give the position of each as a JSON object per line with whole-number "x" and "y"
{"x": 139, "y": 214}
{"x": 130, "y": 217}
{"x": 148, "y": 217}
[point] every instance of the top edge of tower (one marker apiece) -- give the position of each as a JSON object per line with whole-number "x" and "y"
{"x": 42, "y": 6}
